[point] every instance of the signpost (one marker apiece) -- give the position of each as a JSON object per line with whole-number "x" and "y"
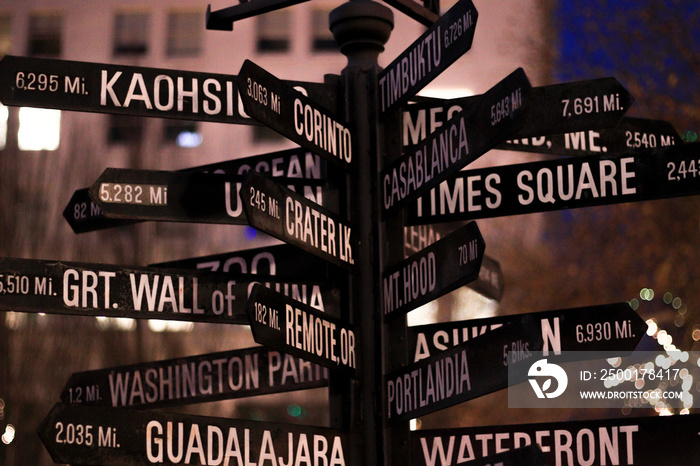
{"x": 83, "y": 215}
{"x": 295, "y": 220}
{"x": 562, "y": 184}
{"x": 294, "y": 328}
{"x": 608, "y": 327}
{"x": 222, "y": 20}
{"x": 555, "y": 109}
{"x": 128, "y": 90}
{"x": 445, "y": 265}
{"x": 667, "y": 440}
{"x": 110, "y": 436}
{"x": 464, "y": 372}
{"x": 53, "y": 287}
{"x": 129, "y": 194}
{"x": 281, "y": 261}
{"x": 196, "y": 379}
{"x": 432, "y": 53}
{"x": 426, "y": 14}
{"x": 293, "y": 115}
{"x": 629, "y": 134}
{"x": 463, "y": 139}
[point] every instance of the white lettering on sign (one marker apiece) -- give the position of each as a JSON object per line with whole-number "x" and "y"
{"x": 443, "y": 378}
{"x": 320, "y": 337}
{"x": 429, "y": 161}
{"x": 80, "y": 289}
{"x": 323, "y": 131}
{"x": 318, "y": 230}
{"x": 417, "y": 279}
{"x": 168, "y": 93}
{"x": 602, "y": 445}
{"x": 212, "y": 445}
{"x": 444, "y": 339}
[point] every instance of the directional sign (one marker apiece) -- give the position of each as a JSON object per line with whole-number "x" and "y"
{"x": 284, "y": 263}
{"x": 116, "y": 436}
{"x": 281, "y": 261}
{"x": 530, "y": 455}
{"x": 87, "y": 289}
{"x": 195, "y": 379}
{"x": 295, "y": 116}
{"x": 426, "y": 13}
{"x": 490, "y": 282}
{"x": 418, "y": 280}
{"x": 124, "y": 193}
{"x": 83, "y": 215}
{"x": 630, "y": 133}
{"x": 464, "y": 138}
{"x": 667, "y": 440}
{"x": 128, "y": 90}
{"x": 562, "y": 184}
{"x": 295, "y": 220}
{"x": 222, "y": 20}
{"x": 297, "y": 329}
{"x": 431, "y": 54}
{"x": 461, "y": 373}
{"x": 609, "y": 327}
{"x": 557, "y": 109}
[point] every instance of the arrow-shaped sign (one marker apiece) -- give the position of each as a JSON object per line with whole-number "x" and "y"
{"x": 116, "y": 436}
{"x": 629, "y": 134}
{"x": 129, "y": 90}
{"x": 281, "y": 261}
{"x": 88, "y": 289}
{"x": 295, "y": 220}
{"x": 464, "y": 372}
{"x": 425, "y": 13}
{"x": 490, "y": 282}
{"x": 83, "y": 215}
{"x": 297, "y": 329}
{"x": 556, "y": 109}
{"x": 222, "y": 20}
{"x": 158, "y": 195}
{"x": 432, "y": 53}
{"x": 463, "y": 139}
{"x": 667, "y": 440}
{"x": 196, "y": 379}
{"x": 530, "y": 455}
{"x": 609, "y": 327}
{"x": 562, "y": 184}
{"x": 418, "y": 280}
{"x": 295, "y": 116}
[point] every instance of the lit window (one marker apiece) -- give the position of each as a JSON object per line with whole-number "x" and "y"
{"x": 185, "y": 33}
{"x": 45, "y": 34}
{"x": 39, "y": 129}
{"x": 5, "y": 35}
{"x": 323, "y": 40}
{"x": 125, "y": 129}
{"x": 182, "y": 133}
{"x": 274, "y": 29}
{"x": 131, "y": 33}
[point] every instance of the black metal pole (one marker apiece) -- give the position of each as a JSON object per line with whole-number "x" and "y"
{"x": 361, "y": 28}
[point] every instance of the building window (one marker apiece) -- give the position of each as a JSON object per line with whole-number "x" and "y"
{"x": 274, "y": 29}
{"x": 182, "y": 133}
{"x": 185, "y": 33}
{"x": 39, "y": 129}
{"x": 323, "y": 40}
{"x": 125, "y": 129}
{"x": 5, "y": 35}
{"x": 131, "y": 33}
{"x": 45, "y": 34}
